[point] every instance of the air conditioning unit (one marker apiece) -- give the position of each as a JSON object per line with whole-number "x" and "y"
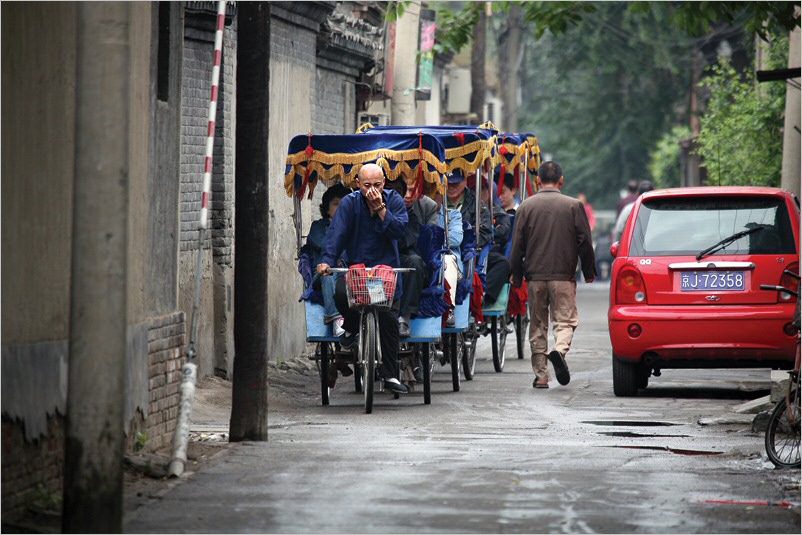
{"x": 376, "y": 119}
{"x": 459, "y": 91}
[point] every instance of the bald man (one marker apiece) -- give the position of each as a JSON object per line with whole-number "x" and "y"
{"x": 365, "y": 230}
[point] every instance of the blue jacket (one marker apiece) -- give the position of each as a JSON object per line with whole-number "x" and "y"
{"x": 364, "y": 239}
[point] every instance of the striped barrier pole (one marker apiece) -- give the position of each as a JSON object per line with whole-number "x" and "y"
{"x": 189, "y": 369}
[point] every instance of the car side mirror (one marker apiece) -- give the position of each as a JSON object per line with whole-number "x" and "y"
{"x": 614, "y": 249}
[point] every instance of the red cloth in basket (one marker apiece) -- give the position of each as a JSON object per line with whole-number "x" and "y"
{"x": 357, "y": 281}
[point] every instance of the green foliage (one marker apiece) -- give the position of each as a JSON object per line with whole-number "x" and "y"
{"x": 556, "y": 17}
{"x": 454, "y": 28}
{"x": 741, "y": 137}
{"x": 760, "y": 18}
{"x": 141, "y": 440}
{"x": 43, "y": 500}
{"x": 664, "y": 161}
{"x": 396, "y": 9}
{"x": 600, "y": 96}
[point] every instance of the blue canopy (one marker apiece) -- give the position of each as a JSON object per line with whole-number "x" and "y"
{"x": 467, "y": 147}
{"x": 333, "y": 158}
{"x": 516, "y": 149}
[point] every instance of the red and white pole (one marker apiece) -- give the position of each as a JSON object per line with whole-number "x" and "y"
{"x": 218, "y": 56}
{"x": 189, "y": 370}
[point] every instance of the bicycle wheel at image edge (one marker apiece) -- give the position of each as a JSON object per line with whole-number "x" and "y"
{"x": 324, "y": 365}
{"x": 498, "y": 338}
{"x": 367, "y": 348}
{"x": 782, "y": 436}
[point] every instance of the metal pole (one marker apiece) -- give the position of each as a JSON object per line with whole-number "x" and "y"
{"x": 189, "y": 369}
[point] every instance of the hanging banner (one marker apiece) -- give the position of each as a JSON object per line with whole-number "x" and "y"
{"x": 423, "y": 91}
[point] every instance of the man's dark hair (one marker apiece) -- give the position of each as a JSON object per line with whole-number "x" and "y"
{"x": 632, "y": 185}
{"x": 645, "y": 186}
{"x": 337, "y": 191}
{"x": 508, "y": 181}
{"x": 399, "y": 185}
{"x": 550, "y": 173}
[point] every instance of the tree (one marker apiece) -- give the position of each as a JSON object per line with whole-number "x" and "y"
{"x": 741, "y": 139}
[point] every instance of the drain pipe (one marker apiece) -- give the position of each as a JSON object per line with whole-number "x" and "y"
{"x": 189, "y": 371}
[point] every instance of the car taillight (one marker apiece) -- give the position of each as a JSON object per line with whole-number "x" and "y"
{"x": 629, "y": 287}
{"x": 790, "y": 282}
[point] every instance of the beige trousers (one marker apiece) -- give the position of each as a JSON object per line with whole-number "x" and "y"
{"x": 559, "y": 298}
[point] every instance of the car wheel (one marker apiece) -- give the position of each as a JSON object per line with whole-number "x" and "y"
{"x": 625, "y": 378}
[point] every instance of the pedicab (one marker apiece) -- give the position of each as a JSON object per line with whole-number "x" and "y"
{"x": 520, "y": 154}
{"x": 469, "y": 149}
{"x": 312, "y": 159}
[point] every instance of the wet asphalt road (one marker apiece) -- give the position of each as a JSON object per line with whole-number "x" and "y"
{"x": 502, "y": 457}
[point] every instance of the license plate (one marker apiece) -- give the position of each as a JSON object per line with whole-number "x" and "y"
{"x": 705, "y": 281}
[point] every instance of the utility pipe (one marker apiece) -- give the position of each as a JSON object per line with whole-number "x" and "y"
{"x": 189, "y": 371}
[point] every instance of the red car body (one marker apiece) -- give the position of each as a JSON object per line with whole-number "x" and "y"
{"x": 672, "y": 307}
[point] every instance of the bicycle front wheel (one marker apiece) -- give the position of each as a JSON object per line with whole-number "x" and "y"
{"x": 368, "y": 352}
{"x": 782, "y": 434}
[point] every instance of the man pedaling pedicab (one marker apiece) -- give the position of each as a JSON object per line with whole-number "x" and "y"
{"x": 365, "y": 230}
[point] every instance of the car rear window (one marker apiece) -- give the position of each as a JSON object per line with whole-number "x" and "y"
{"x": 687, "y": 226}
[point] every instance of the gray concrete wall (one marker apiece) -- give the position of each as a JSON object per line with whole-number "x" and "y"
{"x": 37, "y": 169}
{"x": 292, "y": 87}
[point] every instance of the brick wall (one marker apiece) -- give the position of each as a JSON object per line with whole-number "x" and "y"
{"x": 330, "y": 105}
{"x": 196, "y": 80}
{"x": 32, "y": 471}
{"x": 166, "y": 341}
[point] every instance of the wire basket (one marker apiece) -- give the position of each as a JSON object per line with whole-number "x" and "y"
{"x": 374, "y": 287}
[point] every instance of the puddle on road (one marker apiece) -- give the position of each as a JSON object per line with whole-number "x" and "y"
{"x": 630, "y": 434}
{"x": 677, "y": 451}
{"x": 628, "y": 423}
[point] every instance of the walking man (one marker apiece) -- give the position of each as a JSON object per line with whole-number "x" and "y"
{"x": 551, "y": 232}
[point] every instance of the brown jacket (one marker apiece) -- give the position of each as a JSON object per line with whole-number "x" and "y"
{"x": 551, "y": 231}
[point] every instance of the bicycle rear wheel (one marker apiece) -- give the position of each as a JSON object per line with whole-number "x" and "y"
{"x": 427, "y": 363}
{"x": 469, "y": 338}
{"x": 455, "y": 350}
{"x": 367, "y": 348}
{"x": 782, "y": 433}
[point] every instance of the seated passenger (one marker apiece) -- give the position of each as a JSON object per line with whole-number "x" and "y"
{"x": 453, "y": 261}
{"x": 366, "y": 228}
{"x": 315, "y": 241}
{"x": 497, "y": 272}
{"x": 421, "y": 210}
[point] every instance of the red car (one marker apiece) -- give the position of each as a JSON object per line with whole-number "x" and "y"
{"x": 685, "y": 283}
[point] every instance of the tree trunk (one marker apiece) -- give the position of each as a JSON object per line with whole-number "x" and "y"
{"x": 249, "y": 388}
{"x": 478, "y": 81}
{"x": 791, "y": 146}
{"x": 510, "y": 69}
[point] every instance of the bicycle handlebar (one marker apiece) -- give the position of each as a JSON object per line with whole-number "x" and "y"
{"x": 345, "y": 270}
{"x": 779, "y": 289}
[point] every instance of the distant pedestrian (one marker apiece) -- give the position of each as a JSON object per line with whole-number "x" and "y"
{"x": 632, "y": 194}
{"x": 621, "y": 220}
{"x": 588, "y": 211}
{"x": 551, "y": 232}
